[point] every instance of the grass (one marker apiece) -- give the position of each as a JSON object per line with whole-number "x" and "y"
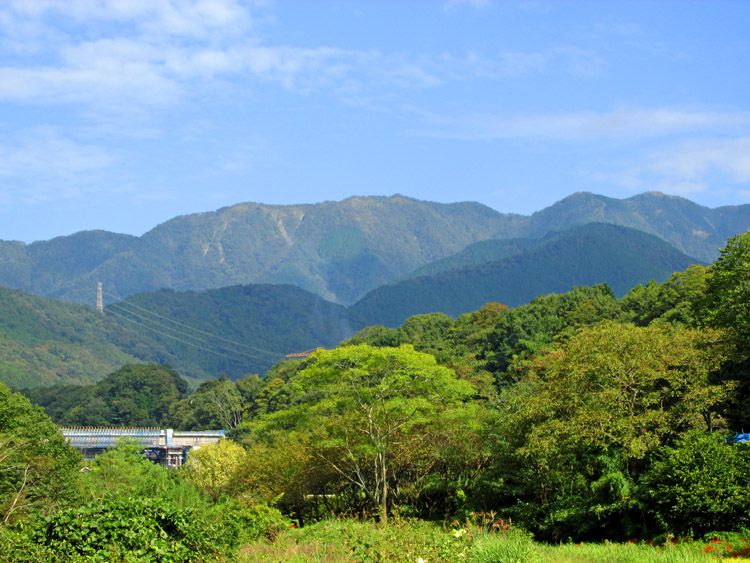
{"x": 333, "y": 541}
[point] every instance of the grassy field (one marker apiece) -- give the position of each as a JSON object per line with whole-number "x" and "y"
{"x": 410, "y": 540}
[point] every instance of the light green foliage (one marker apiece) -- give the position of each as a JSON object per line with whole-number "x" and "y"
{"x": 700, "y": 484}
{"x": 514, "y": 546}
{"x": 673, "y": 301}
{"x": 366, "y": 416}
{"x": 407, "y": 540}
{"x": 727, "y": 302}
{"x": 214, "y": 467}
{"x": 586, "y": 414}
{"x": 123, "y": 472}
{"x": 37, "y": 467}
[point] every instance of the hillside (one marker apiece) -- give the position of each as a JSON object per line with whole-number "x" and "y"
{"x": 691, "y": 228}
{"x": 337, "y": 250}
{"x": 587, "y": 255}
{"x": 44, "y": 342}
{"x": 232, "y": 331}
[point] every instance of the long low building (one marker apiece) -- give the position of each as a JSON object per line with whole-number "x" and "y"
{"x": 162, "y": 445}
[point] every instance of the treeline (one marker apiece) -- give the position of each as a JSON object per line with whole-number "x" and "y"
{"x": 578, "y": 416}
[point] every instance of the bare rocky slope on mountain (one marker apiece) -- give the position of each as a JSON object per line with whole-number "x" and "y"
{"x": 337, "y": 250}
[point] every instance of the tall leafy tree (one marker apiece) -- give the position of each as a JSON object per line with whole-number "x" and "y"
{"x": 727, "y": 298}
{"x": 586, "y": 415}
{"x": 367, "y": 414}
{"x": 37, "y": 467}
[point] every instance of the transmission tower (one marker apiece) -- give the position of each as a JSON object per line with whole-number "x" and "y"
{"x": 99, "y": 298}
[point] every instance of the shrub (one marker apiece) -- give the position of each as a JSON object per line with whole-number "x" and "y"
{"x": 145, "y": 529}
{"x": 699, "y": 485}
{"x": 239, "y": 525}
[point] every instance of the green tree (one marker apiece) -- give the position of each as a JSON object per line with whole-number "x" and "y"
{"x": 37, "y": 466}
{"x": 585, "y": 416}
{"x": 214, "y": 468}
{"x": 366, "y": 412}
{"x": 134, "y": 395}
{"x": 699, "y": 485}
{"x": 727, "y": 299}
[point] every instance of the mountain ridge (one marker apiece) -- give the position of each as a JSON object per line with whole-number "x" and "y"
{"x": 339, "y": 250}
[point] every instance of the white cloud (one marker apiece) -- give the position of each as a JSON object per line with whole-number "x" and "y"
{"x": 688, "y": 167}
{"x": 695, "y": 159}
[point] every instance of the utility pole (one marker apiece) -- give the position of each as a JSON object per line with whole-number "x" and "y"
{"x": 99, "y": 298}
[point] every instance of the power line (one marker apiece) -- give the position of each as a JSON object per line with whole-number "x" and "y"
{"x": 172, "y": 337}
{"x": 178, "y": 323}
{"x": 120, "y": 311}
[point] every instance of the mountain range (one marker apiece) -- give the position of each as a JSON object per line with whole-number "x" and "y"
{"x": 337, "y": 250}
{"x": 240, "y": 329}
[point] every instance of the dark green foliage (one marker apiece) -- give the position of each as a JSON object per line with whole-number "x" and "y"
{"x": 699, "y": 485}
{"x": 146, "y": 529}
{"x": 529, "y": 328}
{"x": 216, "y": 404}
{"x": 18, "y": 545}
{"x": 674, "y": 301}
{"x": 587, "y": 255}
{"x": 233, "y": 330}
{"x": 38, "y": 470}
{"x": 134, "y": 395}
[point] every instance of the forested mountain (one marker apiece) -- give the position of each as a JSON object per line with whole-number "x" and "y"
{"x": 234, "y": 330}
{"x": 44, "y": 342}
{"x": 695, "y": 230}
{"x": 587, "y": 255}
{"x": 338, "y": 250}
{"x": 230, "y": 331}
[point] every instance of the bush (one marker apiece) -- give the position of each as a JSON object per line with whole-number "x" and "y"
{"x": 699, "y": 485}
{"x": 19, "y": 545}
{"x": 239, "y": 525}
{"x": 145, "y": 529}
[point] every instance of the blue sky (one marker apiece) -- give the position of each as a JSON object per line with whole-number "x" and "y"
{"x": 121, "y": 114}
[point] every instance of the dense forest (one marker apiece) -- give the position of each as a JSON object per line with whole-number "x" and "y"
{"x": 578, "y": 417}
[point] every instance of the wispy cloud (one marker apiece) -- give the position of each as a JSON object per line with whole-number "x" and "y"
{"x": 620, "y": 123}
{"x": 44, "y": 165}
{"x": 687, "y": 167}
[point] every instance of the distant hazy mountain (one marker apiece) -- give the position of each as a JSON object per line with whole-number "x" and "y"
{"x": 691, "y": 228}
{"x": 241, "y": 329}
{"x": 586, "y": 255}
{"x": 337, "y": 250}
